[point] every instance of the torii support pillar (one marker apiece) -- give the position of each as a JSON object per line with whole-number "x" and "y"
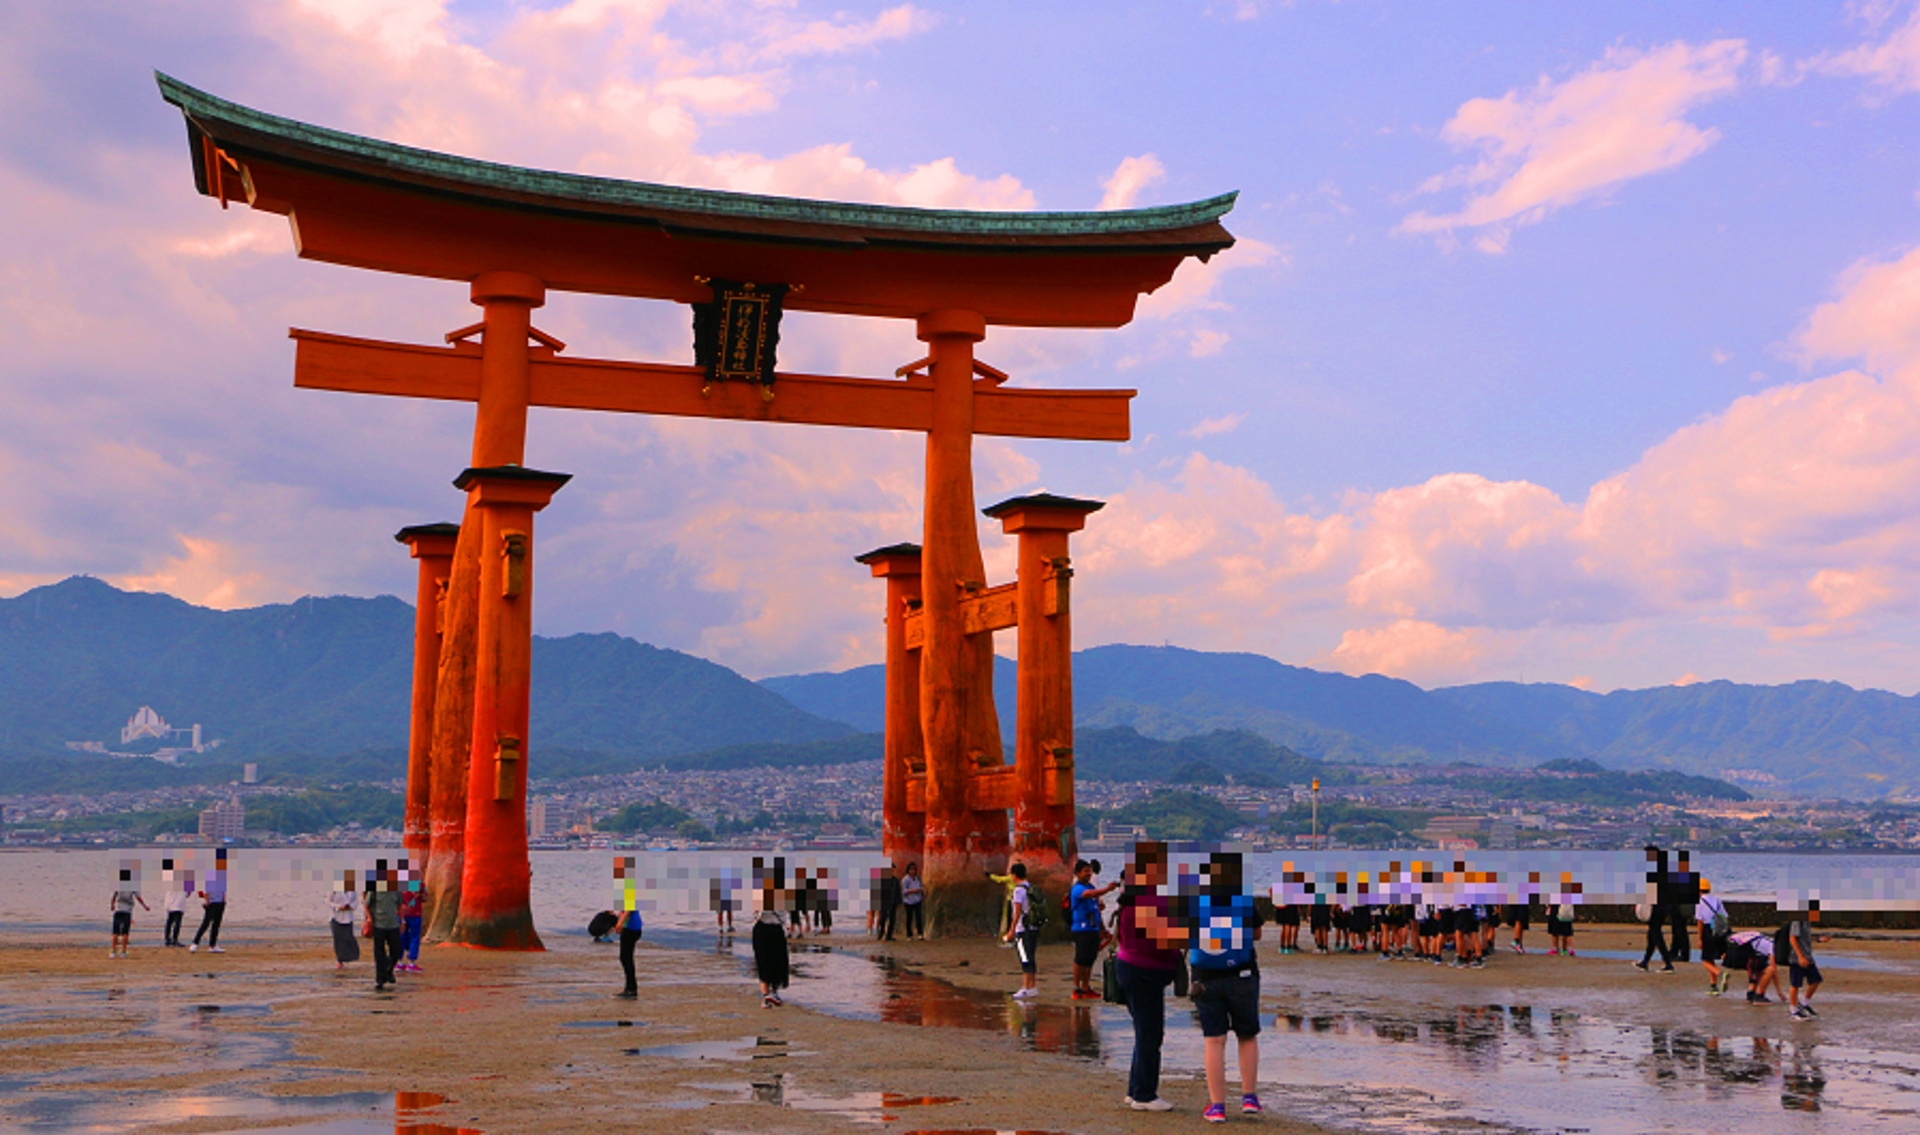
{"x": 495, "y": 879}
{"x": 903, "y": 832}
{"x": 432, "y": 545}
{"x": 957, "y": 717}
{"x": 1043, "y": 821}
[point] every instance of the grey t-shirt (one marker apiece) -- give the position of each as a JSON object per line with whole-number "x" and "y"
{"x": 385, "y": 906}
{"x": 123, "y": 901}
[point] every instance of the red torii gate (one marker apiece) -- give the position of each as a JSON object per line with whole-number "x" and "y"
{"x": 511, "y": 234}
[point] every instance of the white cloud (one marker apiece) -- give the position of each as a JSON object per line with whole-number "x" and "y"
{"x": 1892, "y": 65}
{"x": 1209, "y": 427}
{"x": 1130, "y": 177}
{"x": 1559, "y": 143}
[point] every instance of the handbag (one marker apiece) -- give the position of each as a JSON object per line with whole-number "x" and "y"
{"x": 1110, "y": 991}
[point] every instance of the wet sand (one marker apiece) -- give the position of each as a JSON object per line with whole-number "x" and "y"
{"x": 182, "y": 1042}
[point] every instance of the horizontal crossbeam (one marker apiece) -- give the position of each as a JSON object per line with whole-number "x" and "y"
{"x": 995, "y": 609}
{"x": 372, "y": 366}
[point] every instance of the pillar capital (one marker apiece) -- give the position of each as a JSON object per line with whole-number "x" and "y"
{"x": 429, "y": 540}
{"x": 952, "y": 323}
{"x": 511, "y": 485}
{"x": 894, "y": 559}
{"x": 1042, "y": 512}
{"x": 509, "y": 286}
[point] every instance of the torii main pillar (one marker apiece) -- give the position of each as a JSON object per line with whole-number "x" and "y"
{"x": 903, "y": 833}
{"x": 957, "y": 715}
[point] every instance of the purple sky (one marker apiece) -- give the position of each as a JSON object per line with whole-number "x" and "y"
{"x": 1571, "y": 344}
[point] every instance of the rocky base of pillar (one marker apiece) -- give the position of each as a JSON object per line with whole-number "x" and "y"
{"x": 512, "y": 931}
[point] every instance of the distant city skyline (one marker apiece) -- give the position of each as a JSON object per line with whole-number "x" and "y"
{"x": 1574, "y": 345}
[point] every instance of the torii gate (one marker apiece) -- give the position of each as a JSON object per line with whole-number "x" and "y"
{"x": 514, "y": 233}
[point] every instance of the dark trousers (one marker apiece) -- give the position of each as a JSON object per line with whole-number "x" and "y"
{"x": 1682, "y": 951}
{"x": 386, "y": 952}
{"x": 174, "y": 919}
{"x": 1146, "y": 994}
{"x": 916, "y": 919}
{"x": 627, "y": 940}
{"x": 889, "y": 912}
{"x": 210, "y": 923}
{"x": 1657, "y": 938}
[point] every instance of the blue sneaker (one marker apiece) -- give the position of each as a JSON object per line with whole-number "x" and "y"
{"x": 1250, "y": 1105}
{"x": 1215, "y": 1113}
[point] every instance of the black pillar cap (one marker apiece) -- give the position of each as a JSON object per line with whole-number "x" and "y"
{"x": 1044, "y": 500}
{"x": 415, "y": 531}
{"x": 511, "y": 473}
{"x": 889, "y": 550}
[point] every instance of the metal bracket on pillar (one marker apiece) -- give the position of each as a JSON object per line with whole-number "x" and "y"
{"x": 513, "y": 581}
{"x": 917, "y": 791}
{"x": 1055, "y": 598}
{"x": 1058, "y": 767}
{"x": 440, "y": 606}
{"x": 506, "y": 761}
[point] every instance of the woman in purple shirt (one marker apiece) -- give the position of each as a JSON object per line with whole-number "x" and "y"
{"x": 1147, "y": 953}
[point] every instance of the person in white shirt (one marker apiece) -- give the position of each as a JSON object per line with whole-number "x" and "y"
{"x": 345, "y": 907}
{"x": 178, "y": 890}
{"x": 1715, "y": 926}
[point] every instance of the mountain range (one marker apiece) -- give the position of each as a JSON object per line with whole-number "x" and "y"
{"x": 329, "y": 677}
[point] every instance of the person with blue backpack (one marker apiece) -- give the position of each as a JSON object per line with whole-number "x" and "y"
{"x": 1225, "y": 983}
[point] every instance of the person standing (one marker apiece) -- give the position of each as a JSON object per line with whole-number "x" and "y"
{"x": 124, "y": 896}
{"x": 1715, "y": 925}
{"x": 632, "y": 926}
{"x": 344, "y": 905}
{"x": 1519, "y": 919}
{"x": 1023, "y": 930}
{"x": 1083, "y": 900}
{"x": 1147, "y": 945}
{"x": 890, "y": 893}
{"x": 413, "y": 902}
{"x": 771, "y": 962}
{"x": 213, "y": 900}
{"x": 1226, "y": 981}
{"x": 177, "y": 891}
{"x": 913, "y": 898}
{"x": 1560, "y": 928}
{"x": 383, "y": 914}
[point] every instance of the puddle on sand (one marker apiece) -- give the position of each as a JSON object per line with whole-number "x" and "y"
{"x": 845, "y": 983}
{"x": 1510, "y": 1068}
{"x": 108, "y": 1112}
{"x": 738, "y": 1050}
{"x": 779, "y": 1090}
{"x": 603, "y": 1024}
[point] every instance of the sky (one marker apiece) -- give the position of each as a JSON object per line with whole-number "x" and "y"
{"x": 1560, "y": 343}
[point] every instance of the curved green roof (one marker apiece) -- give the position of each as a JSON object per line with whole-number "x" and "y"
{"x": 242, "y": 129}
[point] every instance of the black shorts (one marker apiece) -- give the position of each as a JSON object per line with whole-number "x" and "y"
{"x": 1430, "y": 927}
{"x": 1738, "y": 957}
{"x": 1449, "y": 920}
{"x": 122, "y": 923}
{"x": 1519, "y": 916}
{"x": 1320, "y": 917}
{"x": 1027, "y": 944}
{"x": 1559, "y": 929}
{"x": 1287, "y": 915}
{"x": 1086, "y": 948}
{"x": 1714, "y": 948}
{"x": 1227, "y": 1001}
{"x": 1799, "y": 975}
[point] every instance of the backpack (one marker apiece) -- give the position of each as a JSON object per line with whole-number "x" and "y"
{"x": 1721, "y": 924}
{"x": 1036, "y": 912}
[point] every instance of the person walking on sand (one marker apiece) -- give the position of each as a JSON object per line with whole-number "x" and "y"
{"x": 913, "y": 899}
{"x": 890, "y": 894}
{"x": 1794, "y": 941}
{"x": 1520, "y": 920}
{"x": 1023, "y": 931}
{"x": 213, "y": 901}
{"x": 383, "y": 916}
{"x": 344, "y": 907}
{"x": 1083, "y": 899}
{"x": 124, "y": 896}
{"x": 1226, "y": 980}
{"x": 1147, "y": 945}
{"x": 771, "y": 962}
{"x": 1715, "y": 926}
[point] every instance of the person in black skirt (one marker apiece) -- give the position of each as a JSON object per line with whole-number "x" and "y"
{"x": 770, "y": 959}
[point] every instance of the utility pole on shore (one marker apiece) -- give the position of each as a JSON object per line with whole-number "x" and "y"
{"x": 1316, "y": 813}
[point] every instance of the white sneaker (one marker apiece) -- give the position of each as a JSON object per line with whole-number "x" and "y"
{"x": 1158, "y": 1103}
{"x": 113, "y": 953}
{"x": 194, "y": 948}
{"x": 215, "y": 950}
{"x": 1023, "y": 993}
